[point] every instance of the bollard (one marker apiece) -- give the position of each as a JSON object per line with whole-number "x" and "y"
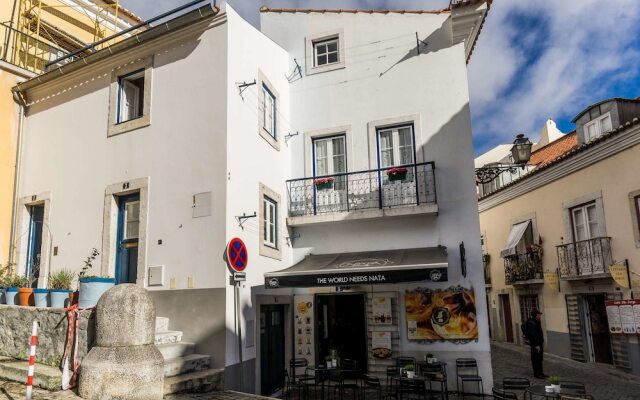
{"x": 32, "y": 359}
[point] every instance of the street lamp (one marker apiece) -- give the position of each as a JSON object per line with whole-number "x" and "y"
{"x": 520, "y": 152}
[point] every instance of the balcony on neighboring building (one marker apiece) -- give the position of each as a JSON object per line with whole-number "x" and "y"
{"x": 27, "y": 51}
{"x": 394, "y": 191}
{"x": 585, "y": 259}
{"x": 523, "y": 269}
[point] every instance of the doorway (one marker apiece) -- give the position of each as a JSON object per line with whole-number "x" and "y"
{"x": 593, "y": 318}
{"x": 127, "y": 238}
{"x": 34, "y": 252}
{"x": 272, "y": 363}
{"x": 508, "y": 320}
{"x": 342, "y": 326}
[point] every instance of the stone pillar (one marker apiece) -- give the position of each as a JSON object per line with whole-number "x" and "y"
{"x": 125, "y": 363}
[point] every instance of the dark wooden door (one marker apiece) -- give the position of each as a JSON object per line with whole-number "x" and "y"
{"x": 271, "y": 348}
{"x": 508, "y": 320}
{"x": 599, "y": 329}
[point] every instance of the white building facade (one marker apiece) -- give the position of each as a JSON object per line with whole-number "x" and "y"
{"x": 336, "y": 145}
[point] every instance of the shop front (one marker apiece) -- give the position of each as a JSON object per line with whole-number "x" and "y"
{"x": 373, "y": 307}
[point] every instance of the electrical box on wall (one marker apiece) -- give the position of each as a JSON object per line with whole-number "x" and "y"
{"x": 201, "y": 205}
{"x": 156, "y": 275}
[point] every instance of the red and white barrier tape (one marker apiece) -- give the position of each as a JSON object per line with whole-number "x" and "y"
{"x": 32, "y": 359}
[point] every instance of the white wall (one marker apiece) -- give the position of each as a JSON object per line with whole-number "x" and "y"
{"x": 68, "y": 154}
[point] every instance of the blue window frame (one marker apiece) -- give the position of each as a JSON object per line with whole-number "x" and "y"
{"x": 130, "y": 96}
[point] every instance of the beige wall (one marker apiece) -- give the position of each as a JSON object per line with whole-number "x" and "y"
{"x": 616, "y": 177}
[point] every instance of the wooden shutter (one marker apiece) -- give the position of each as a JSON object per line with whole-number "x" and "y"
{"x": 575, "y": 329}
{"x": 619, "y": 343}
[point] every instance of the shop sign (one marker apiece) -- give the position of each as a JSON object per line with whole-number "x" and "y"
{"x": 304, "y": 323}
{"x": 381, "y": 308}
{"x": 623, "y": 316}
{"x": 619, "y": 274}
{"x": 381, "y": 344}
{"x": 551, "y": 279}
{"x": 441, "y": 315}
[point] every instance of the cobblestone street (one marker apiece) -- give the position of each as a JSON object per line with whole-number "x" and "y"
{"x": 602, "y": 381}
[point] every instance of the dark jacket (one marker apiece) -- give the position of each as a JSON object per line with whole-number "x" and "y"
{"x": 533, "y": 331}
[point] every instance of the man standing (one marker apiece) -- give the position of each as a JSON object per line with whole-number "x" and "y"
{"x": 533, "y": 332}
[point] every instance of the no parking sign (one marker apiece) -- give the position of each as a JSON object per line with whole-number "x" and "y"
{"x": 237, "y": 255}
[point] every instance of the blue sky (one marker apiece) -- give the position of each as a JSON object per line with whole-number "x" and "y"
{"x": 535, "y": 59}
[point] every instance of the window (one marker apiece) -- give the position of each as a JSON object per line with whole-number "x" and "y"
{"x": 585, "y": 222}
{"x": 597, "y": 127}
{"x": 396, "y": 146}
{"x": 326, "y": 52}
{"x": 330, "y": 156}
{"x": 132, "y": 220}
{"x": 637, "y": 204}
{"x": 130, "y": 96}
{"x": 269, "y": 112}
{"x": 634, "y": 200}
{"x": 527, "y": 305}
{"x": 270, "y": 225}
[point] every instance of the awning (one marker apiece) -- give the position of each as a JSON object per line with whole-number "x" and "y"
{"x": 363, "y": 268}
{"x": 517, "y": 231}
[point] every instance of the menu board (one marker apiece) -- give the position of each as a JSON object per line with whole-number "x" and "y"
{"x": 441, "y": 315}
{"x": 381, "y": 344}
{"x": 381, "y": 307}
{"x": 623, "y": 316}
{"x": 304, "y": 324}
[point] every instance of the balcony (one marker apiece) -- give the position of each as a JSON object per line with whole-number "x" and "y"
{"x": 405, "y": 190}
{"x": 523, "y": 269}
{"x": 26, "y": 51}
{"x": 585, "y": 259}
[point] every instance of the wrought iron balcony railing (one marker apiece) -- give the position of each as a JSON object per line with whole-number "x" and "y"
{"x": 522, "y": 267}
{"x": 585, "y": 257}
{"x": 407, "y": 185}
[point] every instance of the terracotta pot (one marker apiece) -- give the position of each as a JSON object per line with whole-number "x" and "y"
{"x": 26, "y": 296}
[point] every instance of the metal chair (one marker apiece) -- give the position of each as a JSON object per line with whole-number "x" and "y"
{"x": 436, "y": 373}
{"x": 371, "y": 385}
{"x": 467, "y": 371}
{"x": 402, "y": 362}
{"x": 577, "y": 386}
{"x": 577, "y": 397}
{"x": 346, "y": 380}
{"x": 411, "y": 389}
{"x": 500, "y": 394}
{"x": 511, "y": 383}
{"x": 392, "y": 372}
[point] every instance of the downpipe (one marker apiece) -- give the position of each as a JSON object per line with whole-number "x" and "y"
{"x": 17, "y": 96}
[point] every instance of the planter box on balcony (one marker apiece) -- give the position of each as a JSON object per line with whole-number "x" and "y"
{"x": 324, "y": 183}
{"x": 397, "y": 174}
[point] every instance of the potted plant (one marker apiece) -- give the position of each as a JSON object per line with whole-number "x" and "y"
{"x": 24, "y": 289}
{"x": 60, "y": 287}
{"x": 324, "y": 183}
{"x": 410, "y": 369}
{"x": 397, "y": 174}
{"x": 92, "y": 286}
{"x": 554, "y": 381}
{"x": 4, "y": 278}
{"x": 329, "y": 361}
{"x": 431, "y": 359}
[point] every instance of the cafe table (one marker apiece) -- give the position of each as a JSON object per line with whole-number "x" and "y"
{"x": 539, "y": 392}
{"x": 323, "y": 374}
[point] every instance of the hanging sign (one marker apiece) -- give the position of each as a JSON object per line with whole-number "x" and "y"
{"x": 623, "y": 316}
{"x": 381, "y": 344}
{"x": 551, "y": 279}
{"x": 381, "y": 307}
{"x": 619, "y": 274}
{"x": 237, "y": 255}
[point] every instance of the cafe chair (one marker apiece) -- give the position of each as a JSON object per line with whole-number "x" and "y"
{"x": 371, "y": 387}
{"x": 467, "y": 371}
{"x": 292, "y": 385}
{"x": 501, "y": 394}
{"x": 347, "y": 379}
{"x": 411, "y": 389}
{"x": 511, "y": 383}
{"x": 402, "y": 362}
{"x": 392, "y": 372}
{"x": 577, "y": 397}
{"x": 436, "y": 373}
{"x": 578, "y": 387}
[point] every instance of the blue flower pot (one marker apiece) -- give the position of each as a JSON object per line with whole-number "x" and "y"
{"x": 59, "y": 298}
{"x": 91, "y": 289}
{"x": 41, "y": 297}
{"x": 3, "y": 297}
{"x": 12, "y": 296}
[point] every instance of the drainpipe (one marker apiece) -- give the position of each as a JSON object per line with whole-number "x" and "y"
{"x": 17, "y": 96}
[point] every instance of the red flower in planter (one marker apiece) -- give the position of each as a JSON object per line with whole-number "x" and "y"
{"x": 321, "y": 181}
{"x": 397, "y": 170}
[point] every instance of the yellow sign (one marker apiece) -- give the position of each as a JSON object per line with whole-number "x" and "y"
{"x": 619, "y": 274}
{"x": 551, "y": 279}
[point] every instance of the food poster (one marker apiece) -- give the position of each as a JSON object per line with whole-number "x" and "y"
{"x": 304, "y": 328}
{"x": 441, "y": 315}
{"x": 623, "y": 316}
{"x": 381, "y": 307}
{"x": 381, "y": 344}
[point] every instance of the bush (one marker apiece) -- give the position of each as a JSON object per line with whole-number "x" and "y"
{"x": 61, "y": 280}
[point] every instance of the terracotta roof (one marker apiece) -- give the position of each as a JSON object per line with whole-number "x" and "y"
{"x": 124, "y": 11}
{"x": 567, "y": 154}
{"x": 553, "y": 150}
{"x": 349, "y": 11}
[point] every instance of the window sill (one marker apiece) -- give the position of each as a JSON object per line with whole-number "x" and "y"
{"x": 129, "y": 125}
{"x": 271, "y": 252}
{"x": 325, "y": 68}
{"x": 268, "y": 137}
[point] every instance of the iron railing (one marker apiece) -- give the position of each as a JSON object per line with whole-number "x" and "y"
{"x": 362, "y": 190}
{"x": 585, "y": 257}
{"x": 26, "y": 51}
{"x": 522, "y": 267}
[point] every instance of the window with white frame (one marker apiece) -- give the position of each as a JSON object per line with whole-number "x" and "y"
{"x": 528, "y": 303}
{"x": 330, "y": 156}
{"x": 585, "y": 222}
{"x": 269, "y": 111}
{"x": 597, "y": 127}
{"x": 132, "y": 220}
{"x": 270, "y": 225}
{"x": 130, "y": 96}
{"x": 326, "y": 52}
{"x": 396, "y": 146}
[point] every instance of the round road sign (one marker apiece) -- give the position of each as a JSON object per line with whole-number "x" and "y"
{"x": 237, "y": 254}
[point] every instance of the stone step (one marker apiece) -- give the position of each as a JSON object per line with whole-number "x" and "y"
{"x": 174, "y": 350}
{"x": 206, "y": 380}
{"x": 186, "y": 364}
{"x": 162, "y": 324}
{"x": 168, "y": 337}
{"x": 44, "y": 376}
